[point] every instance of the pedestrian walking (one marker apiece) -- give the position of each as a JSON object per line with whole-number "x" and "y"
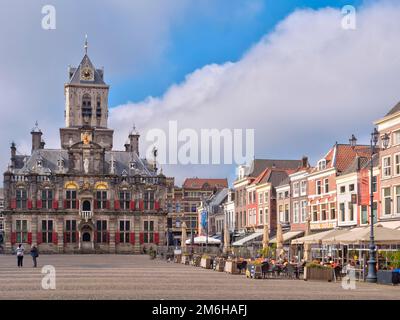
{"x": 35, "y": 255}
{"x": 20, "y": 255}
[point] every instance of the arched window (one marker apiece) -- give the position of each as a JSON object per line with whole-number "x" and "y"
{"x": 86, "y": 106}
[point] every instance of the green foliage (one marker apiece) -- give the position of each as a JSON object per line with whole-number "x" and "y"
{"x": 316, "y": 265}
{"x": 393, "y": 258}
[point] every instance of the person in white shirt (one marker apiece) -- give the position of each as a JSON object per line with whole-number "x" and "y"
{"x": 20, "y": 255}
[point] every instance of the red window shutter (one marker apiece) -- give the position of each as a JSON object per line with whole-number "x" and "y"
{"x": 117, "y": 237}
{"x": 95, "y": 236}
{"x": 65, "y": 237}
{"x": 156, "y": 237}
{"x": 13, "y": 203}
{"x": 55, "y": 204}
{"x": 132, "y": 238}
{"x": 132, "y": 205}
{"x": 116, "y": 204}
{"x": 141, "y": 204}
{"x": 141, "y": 238}
{"x": 77, "y": 204}
{"x": 29, "y": 204}
{"x": 157, "y": 205}
{"x": 39, "y": 238}
{"x": 65, "y": 204}
{"x": 55, "y": 238}
{"x": 95, "y": 203}
{"x": 108, "y": 237}
{"x": 108, "y": 204}
{"x": 39, "y": 204}
{"x": 30, "y": 237}
{"x": 76, "y": 236}
{"x": 13, "y": 237}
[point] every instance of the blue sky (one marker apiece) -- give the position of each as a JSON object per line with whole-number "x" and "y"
{"x": 207, "y": 38}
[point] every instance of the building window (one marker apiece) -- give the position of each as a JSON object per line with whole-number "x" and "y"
{"x": 375, "y": 211}
{"x": 333, "y": 211}
{"x": 70, "y": 231}
{"x": 124, "y": 200}
{"x": 101, "y": 199}
{"x": 266, "y": 215}
{"x": 322, "y": 164}
{"x": 319, "y": 191}
{"x": 295, "y": 212}
{"x": 387, "y": 198}
{"x": 101, "y": 229}
{"x": 21, "y": 229}
{"x": 351, "y": 211}
{"x": 260, "y": 198}
{"x": 177, "y": 207}
{"x": 397, "y": 189}
{"x": 149, "y": 200}
{"x": 124, "y": 230}
{"x": 323, "y": 212}
{"x": 387, "y": 169}
{"x": 397, "y": 164}
{"x": 396, "y": 137}
{"x": 71, "y": 199}
{"x": 265, "y": 197}
{"x": 148, "y": 232}
{"x": 86, "y": 106}
{"x": 315, "y": 213}
{"x": 98, "y": 108}
{"x": 286, "y": 194}
{"x": 21, "y": 196}
{"x": 260, "y": 218}
{"x": 296, "y": 189}
{"x": 342, "y": 212}
{"x": 342, "y": 189}
{"x": 47, "y": 231}
{"x": 351, "y": 187}
{"x": 286, "y": 213}
{"x": 326, "y": 183}
{"x": 364, "y": 214}
{"x": 303, "y": 211}
{"x": 303, "y": 188}
{"x": 47, "y": 199}
{"x": 281, "y": 212}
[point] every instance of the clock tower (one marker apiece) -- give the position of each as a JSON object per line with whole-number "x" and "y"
{"x": 86, "y": 106}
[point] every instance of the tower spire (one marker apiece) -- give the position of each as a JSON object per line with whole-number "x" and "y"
{"x": 86, "y": 44}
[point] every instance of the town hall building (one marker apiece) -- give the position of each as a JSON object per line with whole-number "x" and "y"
{"x": 86, "y": 197}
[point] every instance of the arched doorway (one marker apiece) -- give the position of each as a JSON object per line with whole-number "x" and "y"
{"x": 86, "y": 237}
{"x": 86, "y": 206}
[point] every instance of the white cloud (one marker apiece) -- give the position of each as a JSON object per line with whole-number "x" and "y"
{"x": 304, "y": 86}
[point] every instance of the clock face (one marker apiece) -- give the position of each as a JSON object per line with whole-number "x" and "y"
{"x": 86, "y": 74}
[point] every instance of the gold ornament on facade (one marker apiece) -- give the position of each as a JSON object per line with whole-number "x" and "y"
{"x": 86, "y": 186}
{"x": 101, "y": 185}
{"x": 71, "y": 185}
{"x": 86, "y": 138}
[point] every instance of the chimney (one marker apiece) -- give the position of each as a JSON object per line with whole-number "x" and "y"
{"x": 127, "y": 146}
{"x": 13, "y": 154}
{"x": 42, "y": 144}
{"x": 304, "y": 162}
{"x": 36, "y": 138}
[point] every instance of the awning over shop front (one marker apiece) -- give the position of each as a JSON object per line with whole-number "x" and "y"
{"x": 318, "y": 237}
{"x": 203, "y": 240}
{"x": 287, "y": 236}
{"x": 382, "y": 235}
{"x": 390, "y": 224}
{"x": 253, "y": 236}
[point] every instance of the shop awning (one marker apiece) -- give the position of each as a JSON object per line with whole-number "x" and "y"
{"x": 318, "y": 237}
{"x": 202, "y": 240}
{"x": 389, "y": 224}
{"x": 382, "y": 236}
{"x": 253, "y": 236}
{"x": 287, "y": 236}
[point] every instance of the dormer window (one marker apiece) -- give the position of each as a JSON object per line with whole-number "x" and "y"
{"x": 39, "y": 163}
{"x": 131, "y": 165}
{"x": 321, "y": 164}
{"x": 60, "y": 163}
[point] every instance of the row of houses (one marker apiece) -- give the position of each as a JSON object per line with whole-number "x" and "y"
{"x": 333, "y": 193}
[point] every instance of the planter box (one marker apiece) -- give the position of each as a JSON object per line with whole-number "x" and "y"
{"x": 177, "y": 258}
{"x": 206, "y": 263}
{"x": 185, "y": 259}
{"x": 388, "y": 277}
{"x": 253, "y": 271}
{"x": 231, "y": 267}
{"x": 325, "y": 274}
{"x": 196, "y": 261}
{"x": 219, "y": 265}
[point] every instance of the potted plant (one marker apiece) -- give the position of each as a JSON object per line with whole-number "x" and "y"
{"x": 392, "y": 274}
{"x": 219, "y": 264}
{"x": 185, "y": 258}
{"x": 231, "y": 266}
{"x": 316, "y": 271}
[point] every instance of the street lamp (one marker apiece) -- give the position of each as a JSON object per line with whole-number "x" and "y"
{"x": 371, "y": 277}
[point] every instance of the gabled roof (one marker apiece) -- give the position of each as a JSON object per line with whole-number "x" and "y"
{"x": 259, "y": 165}
{"x": 75, "y": 78}
{"x": 394, "y": 110}
{"x": 200, "y": 183}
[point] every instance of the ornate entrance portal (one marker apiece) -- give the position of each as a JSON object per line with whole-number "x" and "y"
{"x": 86, "y": 237}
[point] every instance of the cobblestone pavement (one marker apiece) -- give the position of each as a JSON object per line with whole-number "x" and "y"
{"x": 138, "y": 277}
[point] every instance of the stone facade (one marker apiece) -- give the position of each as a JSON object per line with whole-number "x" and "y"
{"x": 84, "y": 197}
